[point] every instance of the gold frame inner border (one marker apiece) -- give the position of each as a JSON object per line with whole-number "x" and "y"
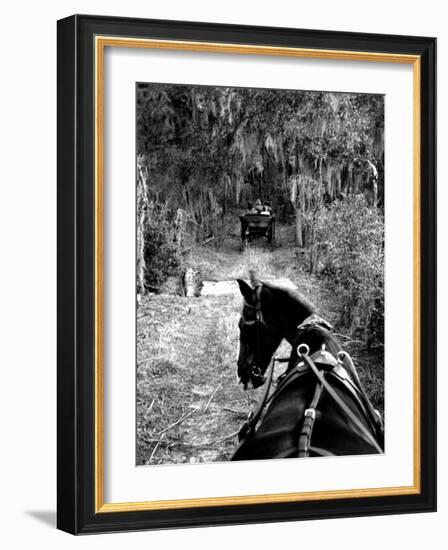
{"x": 101, "y": 43}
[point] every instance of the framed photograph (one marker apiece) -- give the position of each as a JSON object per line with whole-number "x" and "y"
{"x": 246, "y": 274}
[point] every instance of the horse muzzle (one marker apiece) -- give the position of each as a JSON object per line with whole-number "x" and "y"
{"x": 252, "y": 375}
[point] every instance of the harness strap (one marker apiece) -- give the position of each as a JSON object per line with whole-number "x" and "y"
{"x": 341, "y": 375}
{"x": 345, "y": 409}
{"x": 320, "y": 451}
{"x": 308, "y": 422}
{"x": 249, "y": 426}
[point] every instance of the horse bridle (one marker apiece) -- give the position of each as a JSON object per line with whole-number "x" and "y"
{"x": 259, "y": 322}
{"x": 312, "y": 320}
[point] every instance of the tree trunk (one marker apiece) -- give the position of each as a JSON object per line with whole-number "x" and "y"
{"x": 313, "y": 251}
{"x": 299, "y": 239}
{"x": 142, "y": 202}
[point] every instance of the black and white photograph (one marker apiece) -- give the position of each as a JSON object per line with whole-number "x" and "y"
{"x": 260, "y": 273}
{"x": 222, "y": 285}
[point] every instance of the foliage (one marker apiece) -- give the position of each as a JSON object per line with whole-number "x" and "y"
{"x": 349, "y": 249}
{"x": 163, "y": 244}
{"x": 210, "y": 150}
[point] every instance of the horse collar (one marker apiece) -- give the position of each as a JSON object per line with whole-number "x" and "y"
{"x": 314, "y": 320}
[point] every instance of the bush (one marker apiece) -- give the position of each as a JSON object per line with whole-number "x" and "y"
{"x": 163, "y": 234}
{"x": 348, "y": 249}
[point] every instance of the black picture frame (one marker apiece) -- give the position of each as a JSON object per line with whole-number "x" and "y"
{"x": 76, "y": 275}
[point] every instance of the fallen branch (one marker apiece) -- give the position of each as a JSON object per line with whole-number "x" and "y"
{"x": 178, "y": 421}
{"x": 144, "y": 403}
{"x": 212, "y": 396}
{"x": 147, "y": 441}
{"x": 206, "y": 444}
{"x": 155, "y": 449}
{"x": 149, "y": 409}
{"x": 349, "y": 340}
{"x": 243, "y": 413}
{"x": 233, "y": 434}
{"x": 185, "y": 444}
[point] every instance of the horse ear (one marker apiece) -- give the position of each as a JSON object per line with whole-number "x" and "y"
{"x": 246, "y": 290}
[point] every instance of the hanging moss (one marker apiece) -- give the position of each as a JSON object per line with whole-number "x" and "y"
{"x": 210, "y": 150}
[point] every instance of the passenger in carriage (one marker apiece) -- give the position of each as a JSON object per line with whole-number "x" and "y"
{"x": 267, "y": 210}
{"x": 257, "y": 207}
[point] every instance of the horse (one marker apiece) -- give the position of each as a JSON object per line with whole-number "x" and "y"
{"x": 318, "y": 407}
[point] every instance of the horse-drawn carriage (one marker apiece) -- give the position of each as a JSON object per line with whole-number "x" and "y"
{"x": 255, "y": 225}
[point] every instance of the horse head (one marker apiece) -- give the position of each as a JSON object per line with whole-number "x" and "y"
{"x": 269, "y": 314}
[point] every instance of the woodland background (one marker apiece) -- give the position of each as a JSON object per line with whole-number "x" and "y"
{"x": 203, "y": 155}
{"x": 29, "y": 507}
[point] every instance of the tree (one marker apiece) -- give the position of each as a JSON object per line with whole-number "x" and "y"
{"x": 209, "y": 150}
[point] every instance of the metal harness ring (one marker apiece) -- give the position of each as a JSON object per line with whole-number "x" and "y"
{"x": 256, "y": 371}
{"x": 306, "y": 350}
